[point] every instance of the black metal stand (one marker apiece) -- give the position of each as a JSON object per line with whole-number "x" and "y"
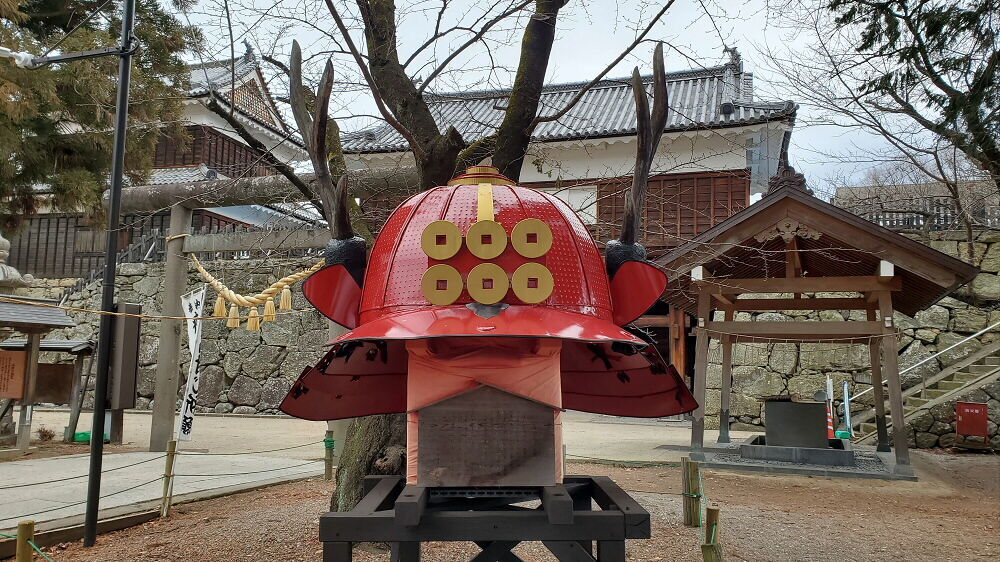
{"x": 565, "y": 522}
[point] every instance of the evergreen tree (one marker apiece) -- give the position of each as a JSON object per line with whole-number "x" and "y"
{"x": 936, "y": 62}
{"x": 56, "y": 122}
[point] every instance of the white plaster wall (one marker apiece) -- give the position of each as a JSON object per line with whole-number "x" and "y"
{"x": 763, "y": 156}
{"x": 754, "y": 147}
{"x": 616, "y": 157}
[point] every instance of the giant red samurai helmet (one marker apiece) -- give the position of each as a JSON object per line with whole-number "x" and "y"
{"x": 483, "y": 258}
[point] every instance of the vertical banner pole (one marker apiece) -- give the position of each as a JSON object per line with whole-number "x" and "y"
{"x": 168, "y": 479}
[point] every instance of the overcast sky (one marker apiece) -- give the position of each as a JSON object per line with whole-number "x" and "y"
{"x": 590, "y": 35}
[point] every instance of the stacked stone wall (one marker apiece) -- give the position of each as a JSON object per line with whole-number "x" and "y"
{"x": 241, "y": 371}
{"x": 249, "y": 372}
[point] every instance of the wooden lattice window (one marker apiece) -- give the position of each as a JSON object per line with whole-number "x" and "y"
{"x": 678, "y": 206}
{"x": 250, "y": 98}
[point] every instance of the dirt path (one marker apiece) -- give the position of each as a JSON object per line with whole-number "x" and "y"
{"x": 953, "y": 513}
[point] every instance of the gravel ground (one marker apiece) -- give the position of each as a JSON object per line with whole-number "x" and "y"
{"x": 953, "y": 513}
{"x": 57, "y": 448}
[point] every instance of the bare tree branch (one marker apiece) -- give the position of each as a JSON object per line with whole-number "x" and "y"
{"x": 474, "y": 39}
{"x": 579, "y": 95}
{"x": 376, "y": 95}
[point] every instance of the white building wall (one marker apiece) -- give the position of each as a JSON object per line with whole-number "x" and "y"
{"x": 756, "y": 147}
{"x": 612, "y": 158}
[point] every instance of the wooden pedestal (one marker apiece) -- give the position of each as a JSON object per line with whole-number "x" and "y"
{"x": 565, "y": 523}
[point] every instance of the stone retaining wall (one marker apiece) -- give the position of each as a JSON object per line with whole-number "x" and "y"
{"x": 249, "y": 372}
{"x": 242, "y": 371}
{"x": 935, "y": 426}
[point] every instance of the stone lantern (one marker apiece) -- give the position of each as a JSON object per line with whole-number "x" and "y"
{"x": 10, "y": 278}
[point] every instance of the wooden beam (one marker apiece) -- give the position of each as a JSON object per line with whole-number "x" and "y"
{"x": 268, "y": 240}
{"x": 796, "y": 330}
{"x": 260, "y": 190}
{"x": 847, "y": 284}
{"x": 726, "y": 300}
{"x": 879, "y": 395}
{"x": 800, "y": 304}
{"x": 793, "y": 261}
{"x": 653, "y": 321}
{"x": 30, "y": 383}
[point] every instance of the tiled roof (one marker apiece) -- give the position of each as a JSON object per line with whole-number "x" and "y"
{"x": 61, "y": 346}
{"x": 160, "y": 176}
{"x": 302, "y": 210}
{"x": 18, "y": 315}
{"x": 714, "y": 97}
{"x": 219, "y": 74}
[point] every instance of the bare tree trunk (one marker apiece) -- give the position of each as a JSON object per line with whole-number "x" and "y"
{"x": 536, "y": 46}
{"x": 375, "y": 445}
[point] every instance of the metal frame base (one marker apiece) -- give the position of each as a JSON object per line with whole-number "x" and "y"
{"x": 565, "y": 522}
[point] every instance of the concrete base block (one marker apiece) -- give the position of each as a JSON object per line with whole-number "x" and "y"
{"x": 839, "y": 453}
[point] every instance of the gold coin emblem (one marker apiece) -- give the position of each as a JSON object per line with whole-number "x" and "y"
{"x": 442, "y": 284}
{"x": 487, "y": 283}
{"x": 532, "y": 282}
{"x": 486, "y": 239}
{"x": 532, "y": 238}
{"x": 441, "y": 240}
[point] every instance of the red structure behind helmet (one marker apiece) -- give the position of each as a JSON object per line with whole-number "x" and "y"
{"x": 484, "y": 258}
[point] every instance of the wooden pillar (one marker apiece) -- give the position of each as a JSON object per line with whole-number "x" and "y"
{"x": 75, "y": 399}
{"x": 878, "y": 394}
{"x": 168, "y": 354}
{"x": 678, "y": 340}
{"x": 890, "y": 365}
{"x": 727, "y": 382}
{"x": 28, "y": 402}
{"x": 700, "y": 375}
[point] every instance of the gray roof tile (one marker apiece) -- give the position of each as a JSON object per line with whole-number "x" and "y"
{"x": 62, "y": 346}
{"x": 160, "y": 176}
{"x": 219, "y": 74}
{"x": 18, "y": 315}
{"x": 698, "y": 99}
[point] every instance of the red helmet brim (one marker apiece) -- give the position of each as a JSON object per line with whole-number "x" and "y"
{"x": 514, "y": 321}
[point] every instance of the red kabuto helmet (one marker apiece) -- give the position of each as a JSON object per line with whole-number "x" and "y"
{"x": 483, "y": 257}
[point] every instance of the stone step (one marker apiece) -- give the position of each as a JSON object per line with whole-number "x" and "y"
{"x": 932, "y": 393}
{"x": 950, "y": 385}
{"x": 866, "y": 428}
{"x": 980, "y": 369}
{"x": 964, "y": 377}
{"x": 914, "y": 401}
{"x": 991, "y": 360}
{"x": 908, "y": 411}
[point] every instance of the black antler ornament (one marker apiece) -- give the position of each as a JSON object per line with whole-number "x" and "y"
{"x": 345, "y": 247}
{"x": 649, "y": 129}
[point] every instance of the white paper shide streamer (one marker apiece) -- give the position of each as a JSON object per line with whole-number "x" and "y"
{"x": 193, "y": 304}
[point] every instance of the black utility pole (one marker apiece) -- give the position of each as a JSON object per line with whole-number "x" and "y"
{"x": 110, "y": 269}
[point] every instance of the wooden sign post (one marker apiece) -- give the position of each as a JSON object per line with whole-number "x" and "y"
{"x": 18, "y": 375}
